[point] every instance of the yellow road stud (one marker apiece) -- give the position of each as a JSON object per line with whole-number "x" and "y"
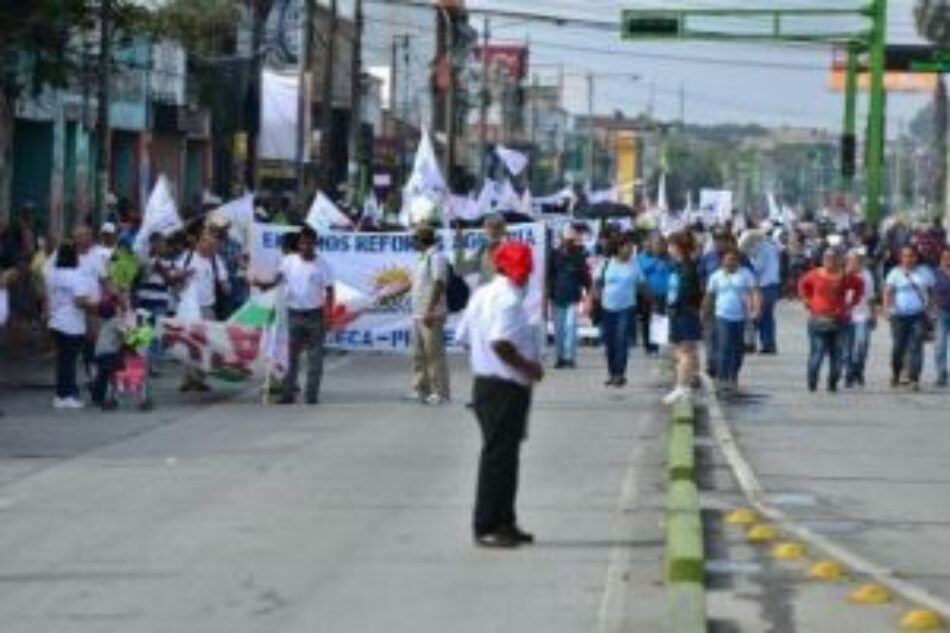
{"x": 789, "y": 551}
{"x": 761, "y": 533}
{"x": 921, "y": 620}
{"x": 742, "y": 516}
{"x": 871, "y": 594}
{"x": 827, "y": 570}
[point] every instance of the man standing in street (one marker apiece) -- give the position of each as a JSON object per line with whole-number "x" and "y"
{"x": 767, "y": 262}
{"x": 505, "y": 359}
{"x": 568, "y": 279}
{"x": 429, "y": 310}
{"x": 308, "y": 284}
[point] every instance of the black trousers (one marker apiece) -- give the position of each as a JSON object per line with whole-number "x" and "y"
{"x": 502, "y": 409}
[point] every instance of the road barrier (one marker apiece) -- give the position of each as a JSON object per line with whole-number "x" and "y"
{"x": 685, "y": 555}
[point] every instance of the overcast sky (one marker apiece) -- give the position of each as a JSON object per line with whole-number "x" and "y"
{"x": 768, "y": 84}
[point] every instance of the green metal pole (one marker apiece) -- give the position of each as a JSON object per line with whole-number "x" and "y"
{"x": 876, "y": 123}
{"x": 849, "y": 138}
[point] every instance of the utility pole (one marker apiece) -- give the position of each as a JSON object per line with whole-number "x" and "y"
{"x": 535, "y": 90}
{"x": 303, "y": 101}
{"x": 103, "y": 140}
{"x": 483, "y": 101}
{"x": 355, "y": 170}
{"x": 682, "y": 105}
{"x": 849, "y": 139}
{"x": 590, "y": 130}
{"x": 258, "y": 19}
{"x": 451, "y": 122}
{"x": 326, "y": 127}
{"x": 877, "y": 128}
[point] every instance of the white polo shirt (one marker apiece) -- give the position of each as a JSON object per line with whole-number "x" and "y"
{"x": 496, "y": 313}
{"x": 305, "y": 282}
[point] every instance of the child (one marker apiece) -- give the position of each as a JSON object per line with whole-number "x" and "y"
{"x": 108, "y": 354}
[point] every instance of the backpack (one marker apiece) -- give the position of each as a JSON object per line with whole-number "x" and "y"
{"x": 457, "y": 292}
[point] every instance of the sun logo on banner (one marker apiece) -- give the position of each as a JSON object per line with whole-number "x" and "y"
{"x": 391, "y": 284}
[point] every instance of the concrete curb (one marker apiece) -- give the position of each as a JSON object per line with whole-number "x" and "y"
{"x": 758, "y": 500}
{"x": 685, "y": 556}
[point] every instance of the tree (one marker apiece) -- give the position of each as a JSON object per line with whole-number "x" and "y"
{"x": 933, "y": 22}
{"x": 34, "y": 53}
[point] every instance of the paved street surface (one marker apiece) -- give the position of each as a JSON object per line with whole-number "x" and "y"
{"x": 868, "y": 468}
{"x": 352, "y": 517}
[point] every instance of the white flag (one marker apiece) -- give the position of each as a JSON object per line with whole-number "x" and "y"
{"x": 371, "y": 210}
{"x": 516, "y": 162}
{"x": 240, "y": 216}
{"x": 161, "y": 215}
{"x": 325, "y": 216}
{"x": 426, "y": 177}
{"x": 661, "y": 198}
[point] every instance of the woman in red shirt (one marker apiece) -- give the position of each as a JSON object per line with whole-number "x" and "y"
{"x": 830, "y": 294}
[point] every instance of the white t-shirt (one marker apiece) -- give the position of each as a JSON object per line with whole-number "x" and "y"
{"x": 306, "y": 282}
{"x": 861, "y": 313}
{"x": 204, "y": 274}
{"x": 63, "y": 287}
{"x": 496, "y": 313}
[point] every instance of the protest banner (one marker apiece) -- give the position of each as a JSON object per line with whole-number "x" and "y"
{"x": 376, "y": 270}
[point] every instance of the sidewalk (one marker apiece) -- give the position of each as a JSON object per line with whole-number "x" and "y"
{"x": 867, "y": 468}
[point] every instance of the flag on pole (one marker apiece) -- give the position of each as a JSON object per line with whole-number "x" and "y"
{"x": 662, "y": 202}
{"x": 161, "y": 215}
{"x": 515, "y": 161}
{"x": 325, "y": 216}
{"x": 426, "y": 180}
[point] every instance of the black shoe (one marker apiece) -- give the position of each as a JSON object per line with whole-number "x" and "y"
{"x": 812, "y": 385}
{"x": 570, "y": 364}
{"x": 497, "y": 540}
{"x": 610, "y": 382}
{"x": 560, "y": 364}
{"x": 832, "y": 387}
{"x": 620, "y": 381}
{"x": 286, "y": 400}
{"x": 941, "y": 381}
{"x": 526, "y": 538}
{"x": 313, "y": 400}
{"x": 895, "y": 382}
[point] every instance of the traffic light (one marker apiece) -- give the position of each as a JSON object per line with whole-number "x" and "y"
{"x": 849, "y": 150}
{"x": 651, "y": 25}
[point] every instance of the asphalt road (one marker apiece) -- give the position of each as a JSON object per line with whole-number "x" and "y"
{"x": 230, "y": 517}
{"x": 868, "y": 468}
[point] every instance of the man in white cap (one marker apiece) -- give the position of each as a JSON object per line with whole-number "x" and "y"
{"x": 568, "y": 279}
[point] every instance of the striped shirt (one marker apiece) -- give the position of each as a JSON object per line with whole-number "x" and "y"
{"x": 152, "y": 292}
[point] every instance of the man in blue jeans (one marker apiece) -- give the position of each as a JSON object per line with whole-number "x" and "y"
{"x": 733, "y": 296}
{"x": 568, "y": 278}
{"x": 767, "y": 263}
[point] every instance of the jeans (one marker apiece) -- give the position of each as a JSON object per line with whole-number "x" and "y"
{"x": 767, "y": 327}
{"x": 106, "y": 367}
{"x": 68, "y": 349}
{"x": 825, "y": 339}
{"x": 615, "y": 333}
{"x": 854, "y": 355}
{"x": 730, "y": 349}
{"x": 502, "y": 411}
{"x": 941, "y": 344}
{"x": 307, "y": 334}
{"x": 907, "y": 333}
{"x": 565, "y": 332}
{"x": 711, "y": 346}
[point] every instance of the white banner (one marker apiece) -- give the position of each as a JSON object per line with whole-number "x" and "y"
{"x": 716, "y": 205}
{"x": 374, "y": 263}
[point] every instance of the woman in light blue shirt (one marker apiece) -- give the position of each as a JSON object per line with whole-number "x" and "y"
{"x": 732, "y": 294}
{"x": 908, "y": 295}
{"x": 617, "y": 286}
